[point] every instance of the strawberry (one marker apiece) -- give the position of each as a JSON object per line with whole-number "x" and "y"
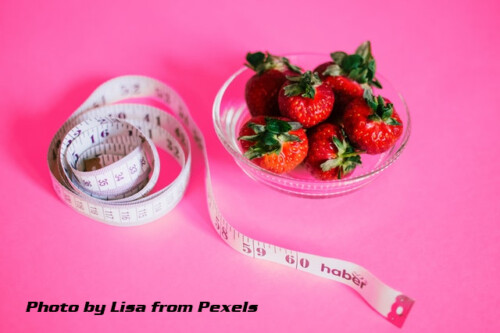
{"x": 348, "y": 75}
{"x": 261, "y": 90}
{"x": 305, "y": 99}
{"x": 275, "y": 144}
{"x": 330, "y": 155}
{"x": 372, "y": 124}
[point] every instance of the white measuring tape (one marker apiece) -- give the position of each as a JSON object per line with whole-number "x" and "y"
{"x": 104, "y": 162}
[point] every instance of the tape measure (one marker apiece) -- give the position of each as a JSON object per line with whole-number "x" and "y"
{"x": 104, "y": 163}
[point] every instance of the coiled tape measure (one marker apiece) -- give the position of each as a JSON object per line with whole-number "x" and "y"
{"x": 104, "y": 163}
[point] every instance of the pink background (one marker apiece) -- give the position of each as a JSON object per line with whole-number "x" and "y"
{"x": 428, "y": 226}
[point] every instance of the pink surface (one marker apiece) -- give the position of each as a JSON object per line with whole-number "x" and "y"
{"x": 428, "y": 226}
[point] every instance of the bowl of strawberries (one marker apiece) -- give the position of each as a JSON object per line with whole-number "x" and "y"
{"x": 312, "y": 125}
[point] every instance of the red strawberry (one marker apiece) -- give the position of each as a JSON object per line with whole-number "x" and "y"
{"x": 275, "y": 144}
{"x": 306, "y": 99}
{"x": 330, "y": 155}
{"x": 320, "y": 69}
{"x": 261, "y": 90}
{"x": 348, "y": 75}
{"x": 372, "y": 124}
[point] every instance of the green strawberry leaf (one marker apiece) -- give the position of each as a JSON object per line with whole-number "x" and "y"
{"x": 365, "y": 51}
{"x": 392, "y": 121}
{"x": 338, "y": 56}
{"x": 351, "y": 163}
{"x": 351, "y": 62}
{"x": 348, "y": 167}
{"x": 255, "y": 59}
{"x": 382, "y": 111}
{"x": 309, "y": 92}
{"x": 285, "y": 137}
{"x": 380, "y": 101}
{"x": 330, "y": 164}
{"x": 359, "y": 75}
{"x": 333, "y": 70}
{"x": 277, "y": 126}
{"x": 254, "y": 152}
{"x": 249, "y": 137}
{"x": 292, "y": 90}
{"x": 293, "y": 68}
{"x": 261, "y": 62}
{"x": 376, "y": 83}
{"x": 295, "y": 125}
{"x": 304, "y": 85}
{"x": 359, "y": 66}
{"x": 368, "y": 96}
{"x": 257, "y": 128}
{"x": 387, "y": 111}
{"x": 270, "y": 137}
{"x": 371, "y": 68}
{"x": 340, "y": 145}
{"x": 347, "y": 157}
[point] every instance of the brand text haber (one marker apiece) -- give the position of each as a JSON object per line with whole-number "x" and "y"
{"x": 343, "y": 274}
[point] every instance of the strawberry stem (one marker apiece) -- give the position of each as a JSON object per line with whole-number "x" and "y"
{"x": 304, "y": 85}
{"x": 262, "y": 62}
{"x": 346, "y": 160}
{"x": 359, "y": 66}
{"x": 269, "y": 138}
{"x": 382, "y": 111}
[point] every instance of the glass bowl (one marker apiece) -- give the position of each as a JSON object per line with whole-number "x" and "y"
{"x": 230, "y": 112}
